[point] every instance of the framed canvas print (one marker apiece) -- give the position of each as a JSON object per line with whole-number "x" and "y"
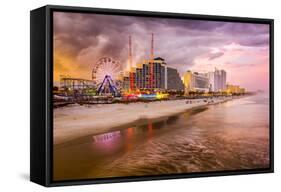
{"x": 119, "y": 95}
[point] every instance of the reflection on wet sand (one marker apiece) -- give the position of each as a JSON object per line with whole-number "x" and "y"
{"x": 228, "y": 136}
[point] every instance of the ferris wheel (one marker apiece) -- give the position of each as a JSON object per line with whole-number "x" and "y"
{"x": 105, "y": 66}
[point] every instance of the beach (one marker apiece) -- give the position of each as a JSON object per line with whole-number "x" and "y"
{"x": 76, "y": 121}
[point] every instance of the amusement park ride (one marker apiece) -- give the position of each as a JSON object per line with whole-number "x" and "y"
{"x": 103, "y": 87}
{"x": 105, "y": 83}
{"x": 103, "y": 73}
{"x": 108, "y": 86}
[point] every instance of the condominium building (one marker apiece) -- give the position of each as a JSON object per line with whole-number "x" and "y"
{"x": 217, "y": 80}
{"x": 174, "y": 82}
{"x": 162, "y": 78}
{"x": 196, "y": 82}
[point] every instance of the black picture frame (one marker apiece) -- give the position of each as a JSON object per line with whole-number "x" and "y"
{"x": 41, "y": 80}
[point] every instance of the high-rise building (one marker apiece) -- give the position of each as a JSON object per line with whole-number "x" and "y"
{"x": 212, "y": 79}
{"x": 223, "y": 80}
{"x": 157, "y": 80}
{"x": 187, "y": 81}
{"x": 163, "y": 77}
{"x": 217, "y": 80}
{"x": 174, "y": 82}
{"x": 196, "y": 82}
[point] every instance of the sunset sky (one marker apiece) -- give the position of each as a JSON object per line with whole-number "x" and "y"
{"x": 241, "y": 49}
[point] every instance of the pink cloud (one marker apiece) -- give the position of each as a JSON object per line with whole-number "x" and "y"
{"x": 245, "y": 66}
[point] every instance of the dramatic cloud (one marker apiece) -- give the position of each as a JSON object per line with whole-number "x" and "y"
{"x": 215, "y": 55}
{"x": 81, "y": 39}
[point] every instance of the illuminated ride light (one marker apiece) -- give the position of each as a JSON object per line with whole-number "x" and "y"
{"x": 145, "y": 96}
{"x": 148, "y": 96}
{"x": 130, "y": 96}
{"x": 162, "y": 96}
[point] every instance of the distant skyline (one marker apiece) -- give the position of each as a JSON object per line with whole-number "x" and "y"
{"x": 241, "y": 49}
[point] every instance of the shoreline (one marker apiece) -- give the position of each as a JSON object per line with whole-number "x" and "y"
{"x": 74, "y": 122}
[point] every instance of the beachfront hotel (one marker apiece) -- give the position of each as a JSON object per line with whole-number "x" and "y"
{"x": 217, "y": 80}
{"x": 214, "y": 81}
{"x": 162, "y": 78}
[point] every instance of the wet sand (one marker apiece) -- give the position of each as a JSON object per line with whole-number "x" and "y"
{"x": 233, "y": 135}
{"x": 78, "y": 121}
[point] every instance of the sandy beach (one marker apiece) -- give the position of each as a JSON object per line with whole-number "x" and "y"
{"x": 76, "y": 121}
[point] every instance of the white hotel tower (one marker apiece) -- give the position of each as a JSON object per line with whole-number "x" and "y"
{"x": 217, "y": 80}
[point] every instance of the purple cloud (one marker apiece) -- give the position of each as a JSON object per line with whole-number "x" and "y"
{"x": 215, "y": 55}
{"x": 178, "y": 41}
